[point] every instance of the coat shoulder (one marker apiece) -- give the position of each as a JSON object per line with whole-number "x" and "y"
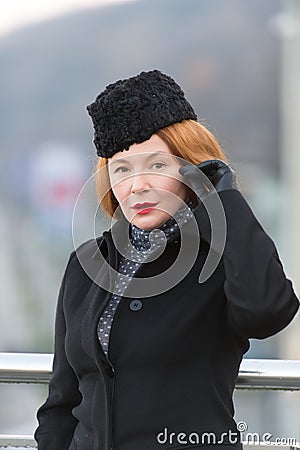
{"x": 89, "y": 247}
{"x": 86, "y": 256}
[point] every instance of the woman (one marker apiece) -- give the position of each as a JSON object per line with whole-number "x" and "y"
{"x": 147, "y": 357}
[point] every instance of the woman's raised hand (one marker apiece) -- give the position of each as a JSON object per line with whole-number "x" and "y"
{"x": 221, "y": 175}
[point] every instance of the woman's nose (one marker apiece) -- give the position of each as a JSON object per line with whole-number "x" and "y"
{"x": 139, "y": 182}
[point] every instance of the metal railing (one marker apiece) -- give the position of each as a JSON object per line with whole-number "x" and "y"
{"x": 254, "y": 374}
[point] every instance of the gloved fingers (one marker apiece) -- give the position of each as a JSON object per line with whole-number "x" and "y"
{"x": 191, "y": 173}
{"x": 197, "y": 180}
{"x": 210, "y": 166}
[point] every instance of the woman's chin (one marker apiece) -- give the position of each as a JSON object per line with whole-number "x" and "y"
{"x": 151, "y": 220}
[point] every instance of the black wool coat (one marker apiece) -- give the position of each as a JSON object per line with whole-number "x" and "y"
{"x": 174, "y": 361}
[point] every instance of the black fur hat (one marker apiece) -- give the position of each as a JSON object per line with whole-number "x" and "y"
{"x": 129, "y": 111}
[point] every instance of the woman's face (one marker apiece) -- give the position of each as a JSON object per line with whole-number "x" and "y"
{"x": 146, "y": 183}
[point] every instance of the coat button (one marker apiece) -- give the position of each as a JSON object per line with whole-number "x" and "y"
{"x": 135, "y": 305}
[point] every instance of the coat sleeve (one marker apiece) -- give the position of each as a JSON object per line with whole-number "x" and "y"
{"x": 260, "y": 299}
{"x": 56, "y": 422}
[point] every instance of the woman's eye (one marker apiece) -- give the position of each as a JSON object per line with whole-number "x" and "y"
{"x": 158, "y": 165}
{"x": 120, "y": 169}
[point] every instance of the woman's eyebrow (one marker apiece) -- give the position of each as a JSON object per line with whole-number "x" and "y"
{"x": 117, "y": 161}
{"x": 152, "y": 155}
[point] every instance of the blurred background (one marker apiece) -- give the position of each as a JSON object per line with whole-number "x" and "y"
{"x": 239, "y": 65}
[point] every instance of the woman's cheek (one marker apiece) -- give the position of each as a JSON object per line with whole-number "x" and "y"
{"x": 174, "y": 187}
{"x": 120, "y": 191}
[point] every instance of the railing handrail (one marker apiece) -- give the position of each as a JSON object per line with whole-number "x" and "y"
{"x": 253, "y": 373}
{"x": 25, "y": 367}
{"x": 20, "y": 440}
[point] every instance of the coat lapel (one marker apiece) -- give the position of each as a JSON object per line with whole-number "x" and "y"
{"x": 96, "y": 300}
{"x": 107, "y": 257}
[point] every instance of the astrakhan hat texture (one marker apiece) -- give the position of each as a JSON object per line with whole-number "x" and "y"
{"x": 129, "y": 111}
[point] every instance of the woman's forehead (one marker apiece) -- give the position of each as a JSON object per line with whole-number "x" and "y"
{"x": 144, "y": 149}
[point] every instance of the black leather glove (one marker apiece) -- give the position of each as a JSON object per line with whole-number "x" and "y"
{"x": 221, "y": 175}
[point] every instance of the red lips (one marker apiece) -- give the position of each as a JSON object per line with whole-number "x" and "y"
{"x": 144, "y": 208}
